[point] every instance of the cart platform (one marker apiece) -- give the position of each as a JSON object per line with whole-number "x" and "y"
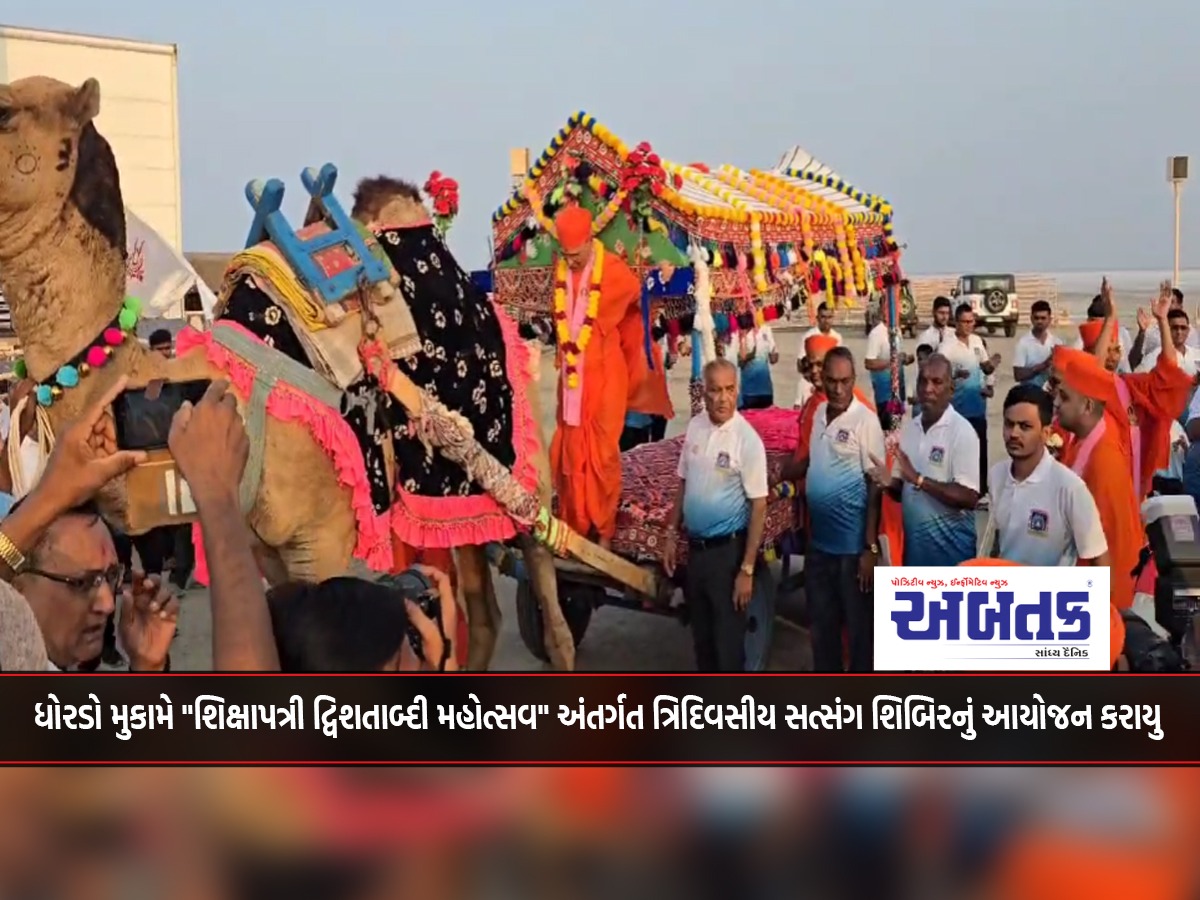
{"x": 649, "y": 480}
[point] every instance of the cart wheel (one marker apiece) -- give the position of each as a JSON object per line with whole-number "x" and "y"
{"x": 577, "y": 602}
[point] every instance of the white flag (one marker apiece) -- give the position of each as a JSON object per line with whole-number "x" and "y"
{"x": 157, "y": 275}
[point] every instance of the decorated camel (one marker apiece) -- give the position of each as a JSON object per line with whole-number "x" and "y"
{"x": 450, "y": 455}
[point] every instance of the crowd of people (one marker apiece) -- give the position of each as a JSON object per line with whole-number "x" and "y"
{"x": 64, "y": 580}
{"x": 890, "y": 478}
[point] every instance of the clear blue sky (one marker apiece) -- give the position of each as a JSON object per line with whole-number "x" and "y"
{"x": 1009, "y": 134}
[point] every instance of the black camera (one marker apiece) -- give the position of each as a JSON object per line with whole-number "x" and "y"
{"x": 415, "y": 586}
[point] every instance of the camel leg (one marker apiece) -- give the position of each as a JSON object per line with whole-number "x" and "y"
{"x": 302, "y": 512}
{"x": 483, "y": 613}
{"x": 543, "y": 581}
{"x": 539, "y": 561}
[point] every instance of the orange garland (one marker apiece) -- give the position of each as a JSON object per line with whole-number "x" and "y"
{"x": 573, "y": 349}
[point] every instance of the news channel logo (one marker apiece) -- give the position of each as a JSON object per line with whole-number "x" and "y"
{"x": 992, "y": 619}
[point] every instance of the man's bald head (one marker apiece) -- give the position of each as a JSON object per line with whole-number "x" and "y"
{"x": 715, "y": 366}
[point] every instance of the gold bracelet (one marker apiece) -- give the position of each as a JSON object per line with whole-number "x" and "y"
{"x": 11, "y": 556}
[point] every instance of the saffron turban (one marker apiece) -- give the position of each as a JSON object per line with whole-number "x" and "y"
{"x": 818, "y": 345}
{"x": 1090, "y": 332}
{"x": 1063, "y": 356}
{"x": 1084, "y": 374}
{"x": 573, "y": 228}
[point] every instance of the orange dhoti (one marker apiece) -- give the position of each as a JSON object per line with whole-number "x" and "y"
{"x": 585, "y": 454}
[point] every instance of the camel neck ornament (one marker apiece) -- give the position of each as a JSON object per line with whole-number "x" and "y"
{"x": 92, "y": 357}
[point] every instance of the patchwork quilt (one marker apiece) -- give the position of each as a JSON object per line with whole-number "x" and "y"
{"x": 649, "y": 480}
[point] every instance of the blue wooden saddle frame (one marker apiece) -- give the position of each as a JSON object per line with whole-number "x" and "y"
{"x": 266, "y": 199}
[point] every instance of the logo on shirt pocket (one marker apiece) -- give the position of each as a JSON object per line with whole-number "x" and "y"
{"x": 843, "y": 436}
{"x": 1039, "y": 522}
{"x": 722, "y": 460}
{"x": 937, "y": 455}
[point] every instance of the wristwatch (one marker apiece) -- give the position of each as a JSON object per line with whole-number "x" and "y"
{"x": 874, "y": 548}
{"x": 920, "y": 485}
{"x": 748, "y": 571}
{"x": 12, "y": 557}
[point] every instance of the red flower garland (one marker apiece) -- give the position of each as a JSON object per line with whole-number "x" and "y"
{"x": 444, "y": 194}
{"x": 643, "y": 168}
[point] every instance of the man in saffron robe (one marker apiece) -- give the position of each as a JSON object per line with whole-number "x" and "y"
{"x": 1090, "y": 410}
{"x": 601, "y": 363}
{"x": 1151, "y": 400}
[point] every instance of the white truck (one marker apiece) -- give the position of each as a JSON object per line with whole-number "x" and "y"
{"x": 994, "y": 299}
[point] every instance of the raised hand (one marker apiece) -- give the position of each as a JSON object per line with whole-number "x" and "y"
{"x": 908, "y": 471}
{"x": 1106, "y": 295}
{"x": 1162, "y": 304}
{"x": 149, "y": 614}
{"x": 1144, "y": 320}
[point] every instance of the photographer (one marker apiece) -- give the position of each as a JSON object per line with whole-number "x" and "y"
{"x": 351, "y": 625}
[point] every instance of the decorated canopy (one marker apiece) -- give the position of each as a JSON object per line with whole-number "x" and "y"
{"x": 766, "y": 236}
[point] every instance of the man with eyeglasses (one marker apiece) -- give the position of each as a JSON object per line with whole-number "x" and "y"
{"x": 72, "y": 579}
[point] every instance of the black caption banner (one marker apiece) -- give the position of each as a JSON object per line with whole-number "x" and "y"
{"x": 599, "y": 719}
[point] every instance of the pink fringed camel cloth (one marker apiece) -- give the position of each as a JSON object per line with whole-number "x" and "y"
{"x": 472, "y": 359}
{"x": 649, "y": 481}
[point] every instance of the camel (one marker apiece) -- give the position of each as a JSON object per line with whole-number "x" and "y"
{"x": 62, "y": 269}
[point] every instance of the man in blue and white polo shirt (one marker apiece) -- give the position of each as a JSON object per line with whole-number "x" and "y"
{"x": 722, "y": 502}
{"x": 843, "y": 510}
{"x": 1042, "y": 513}
{"x": 971, "y": 363}
{"x": 936, "y": 474}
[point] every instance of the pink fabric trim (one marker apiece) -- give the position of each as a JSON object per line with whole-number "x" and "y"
{"x": 447, "y": 522}
{"x": 1086, "y": 448}
{"x": 1135, "y": 431}
{"x": 576, "y": 313}
{"x": 286, "y": 404}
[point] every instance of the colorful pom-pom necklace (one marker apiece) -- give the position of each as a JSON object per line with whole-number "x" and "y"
{"x": 92, "y": 357}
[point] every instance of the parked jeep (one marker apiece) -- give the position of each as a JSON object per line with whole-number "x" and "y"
{"x": 994, "y": 299}
{"x": 908, "y": 312}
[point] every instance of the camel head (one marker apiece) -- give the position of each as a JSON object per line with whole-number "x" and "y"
{"x": 388, "y": 201}
{"x": 50, "y": 156}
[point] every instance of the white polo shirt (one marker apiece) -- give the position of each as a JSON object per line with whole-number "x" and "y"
{"x": 724, "y": 467}
{"x": 932, "y": 336}
{"x": 1189, "y": 360}
{"x": 968, "y": 392}
{"x": 936, "y": 534}
{"x": 836, "y": 485}
{"x": 1032, "y": 352}
{"x": 1049, "y": 519}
